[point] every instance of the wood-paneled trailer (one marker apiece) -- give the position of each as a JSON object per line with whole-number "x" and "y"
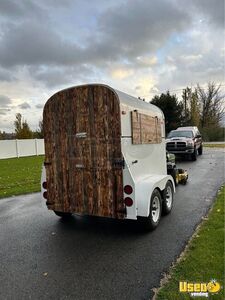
{"x": 105, "y": 156}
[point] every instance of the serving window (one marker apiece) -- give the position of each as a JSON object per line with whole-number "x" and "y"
{"x": 145, "y": 129}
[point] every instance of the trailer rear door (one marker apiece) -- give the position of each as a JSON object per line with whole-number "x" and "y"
{"x": 83, "y": 159}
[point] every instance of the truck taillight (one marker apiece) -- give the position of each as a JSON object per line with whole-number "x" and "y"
{"x": 45, "y": 195}
{"x": 44, "y": 185}
{"x": 128, "y": 201}
{"x": 128, "y": 189}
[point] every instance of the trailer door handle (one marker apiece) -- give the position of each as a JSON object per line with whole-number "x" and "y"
{"x": 81, "y": 135}
{"x": 134, "y": 162}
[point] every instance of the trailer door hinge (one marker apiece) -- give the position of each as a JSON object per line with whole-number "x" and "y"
{"x": 119, "y": 162}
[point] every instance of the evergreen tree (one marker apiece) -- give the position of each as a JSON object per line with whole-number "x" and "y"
{"x": 171, "y": 108}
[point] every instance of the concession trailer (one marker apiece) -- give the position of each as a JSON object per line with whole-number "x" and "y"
{"x": 105, "y": 156}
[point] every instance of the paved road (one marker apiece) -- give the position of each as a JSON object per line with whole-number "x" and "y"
{"x": 88, "y": 258}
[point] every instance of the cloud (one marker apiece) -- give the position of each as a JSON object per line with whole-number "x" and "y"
{"x": 5, "y": 106}
{"x": 60, "y": 76}
{"x": 126, "y": 33}
{"x": 138, "y": 46}
{"x": 4, "y": 111}
{"x": 39, "y": 106}
{"x": 31, "y": 43}
{"x": 20, "y": 9}
{"x": 133, "y": 29}
{"x": 139, "y": 27}
{"x": 6, "y": 75}
{"x": 147, "y": 60}
{"x": 24, "y": 105}
{"x": 213, "y": 11}
{"x": 121, "y": 73}
{"x": 4, "y": 101}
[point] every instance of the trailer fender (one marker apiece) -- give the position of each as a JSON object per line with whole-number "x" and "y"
{"x": 145, "y": 188}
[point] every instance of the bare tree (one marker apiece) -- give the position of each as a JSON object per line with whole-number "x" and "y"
{"x": 211, "y": 105}
{"x": 18, "y": 123}
{"x": 22, "y": 128}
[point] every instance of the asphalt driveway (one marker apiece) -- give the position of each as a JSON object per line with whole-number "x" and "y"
{"x": 43, "y": 257}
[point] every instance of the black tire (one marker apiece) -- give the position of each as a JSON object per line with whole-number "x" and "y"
{"x": 151, "y": 222}
{"x": 175, "y": 174}
{"x": 194, "y": 155}
{"x": 168, "y": 194}
{"x": 64, "y": 215}
{"x": 200, "y": 150}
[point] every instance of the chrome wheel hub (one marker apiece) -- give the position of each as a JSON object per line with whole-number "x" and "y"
{"x": 155, "y": 209}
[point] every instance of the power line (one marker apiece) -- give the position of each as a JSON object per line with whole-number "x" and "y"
{"x": 177, "y": 90}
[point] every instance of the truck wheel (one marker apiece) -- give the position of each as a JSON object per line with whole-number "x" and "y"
{"x": 194, "y": 155}
{"x": 200, "y": 150}
{"x": 64, "y": 215}
{"x": 175, "y": 175}
{"x": 152, "y": 221}
{"x": 167, "y": 203}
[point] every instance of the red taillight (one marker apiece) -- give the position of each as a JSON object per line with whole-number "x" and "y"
{"x": 44, "y": 185}
{"x": 128, "y": 189}
{"x": 45, "y": 195}
{"x": 128, "y": 201}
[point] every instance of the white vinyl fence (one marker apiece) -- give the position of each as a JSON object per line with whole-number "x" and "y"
{"x": 19, "y": 148}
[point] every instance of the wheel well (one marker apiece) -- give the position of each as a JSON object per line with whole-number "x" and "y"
{"x": 171, "y": 183}
{"x": 162, "y": 191}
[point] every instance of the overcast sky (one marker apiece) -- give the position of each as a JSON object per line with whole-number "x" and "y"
{"x": 141, "y": 47}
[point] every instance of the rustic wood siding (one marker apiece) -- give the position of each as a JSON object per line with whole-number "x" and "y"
{"x": 82, "y": 133}
{"x": 145, "y": 129}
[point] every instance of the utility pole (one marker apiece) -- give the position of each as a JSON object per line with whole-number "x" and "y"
{"x": 185, "y": 106}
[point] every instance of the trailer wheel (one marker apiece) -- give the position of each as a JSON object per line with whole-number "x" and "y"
{"x": 168, "y": 194}
{"x": 64, "y": 215}
{"x": 152, "y": 221}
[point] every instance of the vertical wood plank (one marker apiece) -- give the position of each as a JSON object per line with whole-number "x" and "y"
{"x": 145, "y": 129}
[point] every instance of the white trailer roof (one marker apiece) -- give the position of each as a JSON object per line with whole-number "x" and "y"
{"x": 138, "y": 104}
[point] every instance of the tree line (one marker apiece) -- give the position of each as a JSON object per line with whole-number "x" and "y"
{"x": 22, "y": 130}
{"x": 199, "y": 107}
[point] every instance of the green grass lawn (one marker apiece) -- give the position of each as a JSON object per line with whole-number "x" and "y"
{"x": 20, "y": 175}
{"x": 214, "y": 145}
{"x": 204, "y": 258}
